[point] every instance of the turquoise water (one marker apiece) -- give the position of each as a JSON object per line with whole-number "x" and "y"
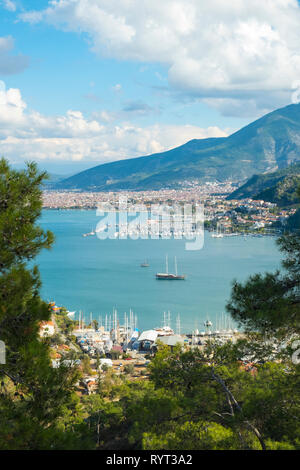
{"x": 96, "y": 276}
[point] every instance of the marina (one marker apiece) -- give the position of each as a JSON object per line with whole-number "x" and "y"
{"x": 115, "y": 332}
{"x": 92, "y": 275}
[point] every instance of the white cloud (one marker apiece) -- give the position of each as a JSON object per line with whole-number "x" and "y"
{"x": 9, "y": 5}
{"x": 223, "y": 50}
{"x": 6, "y": 44}
{"x": 14, "y": 120}
{"x": 10, "y": 64}
{"x": 28, "y": 135}
{"x": 11, "y": 109}
{"x": 242, "y": 108}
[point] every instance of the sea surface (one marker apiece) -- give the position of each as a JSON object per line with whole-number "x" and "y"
{"x": 96, "y": 276}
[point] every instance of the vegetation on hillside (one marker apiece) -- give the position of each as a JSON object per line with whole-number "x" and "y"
{"x": 284, "y": 193}
{"x": 224, "y": 396}
{"x": 279, "y": 187}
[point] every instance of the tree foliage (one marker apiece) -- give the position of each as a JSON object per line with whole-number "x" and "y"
{"x": 197, "y": 400}
{"x": 37, "y": 404}
{"x": 270, "y": 302}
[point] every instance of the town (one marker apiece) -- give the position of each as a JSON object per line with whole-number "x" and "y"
{"x": 225, "y": 216}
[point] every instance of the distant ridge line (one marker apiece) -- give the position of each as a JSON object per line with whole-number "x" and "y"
{"x": 269, "y": 143}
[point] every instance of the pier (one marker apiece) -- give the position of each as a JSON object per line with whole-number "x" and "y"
{"x": 109, "y": 334}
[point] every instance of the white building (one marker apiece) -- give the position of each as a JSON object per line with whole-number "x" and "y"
{"x": 47, "y": 329}
{"x": 107, "y": 362}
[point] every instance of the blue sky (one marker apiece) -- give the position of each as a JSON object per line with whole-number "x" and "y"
{"x": 90, "y": 81}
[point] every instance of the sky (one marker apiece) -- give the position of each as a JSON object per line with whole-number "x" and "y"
{"x": 84, "y": 82}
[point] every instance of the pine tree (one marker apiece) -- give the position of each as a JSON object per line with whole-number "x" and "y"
{"x": 37, "y": 403}
{"x": 270, "y": 302}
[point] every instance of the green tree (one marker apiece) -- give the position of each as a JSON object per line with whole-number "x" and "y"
{"x": 268, "y": 306}
{"x": 192, "y": 436}
{"x": 270, "y": 303}
{"x": 200, "y": 400}
{"x": 35, "y": 398}
{"x": 129, "y": 369}
{"x": 86, "y": 365}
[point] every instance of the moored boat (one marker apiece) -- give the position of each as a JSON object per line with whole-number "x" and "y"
{"x": 170, "y": 276}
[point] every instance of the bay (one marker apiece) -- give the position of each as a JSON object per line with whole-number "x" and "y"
{"x": 92, "y": 275}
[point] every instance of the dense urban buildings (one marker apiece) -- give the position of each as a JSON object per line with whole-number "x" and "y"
{"x": 229, "y": 215}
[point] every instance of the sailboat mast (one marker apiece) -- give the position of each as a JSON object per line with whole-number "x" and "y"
{"x": 176, "y": 266}
{"x": 167, "y": 268}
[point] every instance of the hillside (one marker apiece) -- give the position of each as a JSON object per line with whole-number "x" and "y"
{"x": 267, "y": 144}
{"x": 53, "y": 178}
{"x": 283, "y": 193}
{"x": 279, "y": 187}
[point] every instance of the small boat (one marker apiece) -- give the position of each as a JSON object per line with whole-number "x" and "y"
{"x": 89, "y": 234}
{"x": 145, "y": 264}
{"x": 164, "y": 331}
{"x": 71, "y": 314}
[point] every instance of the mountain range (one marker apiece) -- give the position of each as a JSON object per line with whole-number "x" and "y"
{"x": 264, "y": 146}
